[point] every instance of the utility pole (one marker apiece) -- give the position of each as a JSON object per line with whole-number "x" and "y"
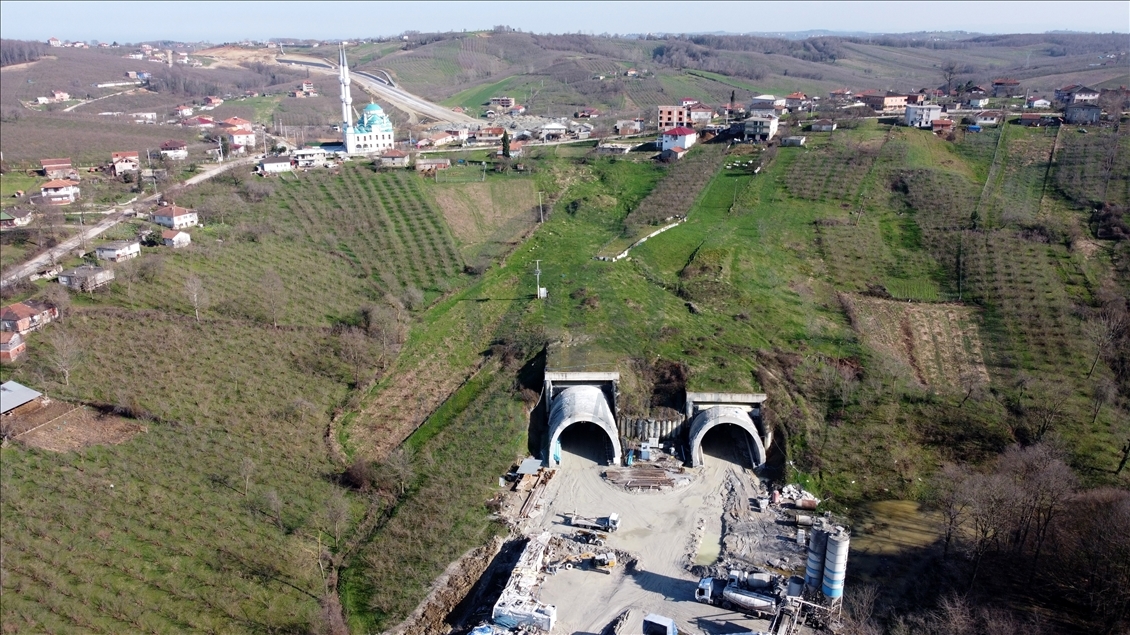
{"x": 537, "y": 272}
{"x": 541, "y": 209}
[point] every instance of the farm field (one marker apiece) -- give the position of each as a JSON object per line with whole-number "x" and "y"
{"x": 488, "y": 218}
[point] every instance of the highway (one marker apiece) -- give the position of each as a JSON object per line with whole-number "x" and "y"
{"x": 383, "y": 87}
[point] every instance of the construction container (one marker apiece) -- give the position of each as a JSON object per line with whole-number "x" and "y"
{"x": 806, "y": 503}
{"x": 803, "y": 521}
{"x": 835, "y": 563}
{"x": 814, "y": 569}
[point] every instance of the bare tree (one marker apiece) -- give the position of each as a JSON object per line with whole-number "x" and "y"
{"x": 950, "y": 70}
{"x": 948, "y": 496}
{"x": 197, "y": 295}
{"x": 246, "y": 470}
{"x": 400, "y": 466}
{"x": 1101, "y": 394}
{"x": 57, "y": 296}
{"x": 1050, "y": 408}
{"x": 990, "y": 500}
{"x": 66, "y": 352}
{"x": 355, "y": 351}
{"x": 335, "y": 514}
{"x": 274, "y": 296}
{"x": 274, "y": 502}
{"x": 1102, "y": 332}
{"x": 1125, "y": 457}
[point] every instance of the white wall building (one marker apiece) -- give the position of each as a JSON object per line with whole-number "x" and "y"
{"x": 922, "y": 115}
{"x": 681, "y": 137}
{"x": 118, "y": 250}
{"x": 373, "y": 133}
{"x": 175, "y": 217}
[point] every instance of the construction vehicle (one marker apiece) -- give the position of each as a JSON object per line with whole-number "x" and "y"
{"x": 588, "y": 537}
{"x": 605, "y": 562}
{"x": 748, "y": 593}
{"x": 608, "y": 523}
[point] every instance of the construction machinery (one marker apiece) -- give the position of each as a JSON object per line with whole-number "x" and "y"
{"x": 605, "y": 562}
{"x": 608, "y": 523}
{"x": 749, "y": 593}
{"x": 587, "y": 537}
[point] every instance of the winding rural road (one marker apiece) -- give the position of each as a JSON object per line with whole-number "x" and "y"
{"x": 114, "y": 216}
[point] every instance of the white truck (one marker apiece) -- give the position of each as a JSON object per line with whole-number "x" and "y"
{"x": 609, "y": 523}
{"x": 748, "y": 593}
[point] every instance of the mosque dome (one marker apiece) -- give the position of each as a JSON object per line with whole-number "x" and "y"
{"x": 374, "y": 119}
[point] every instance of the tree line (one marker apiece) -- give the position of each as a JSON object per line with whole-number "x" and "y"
{"x": 20, "y": 51}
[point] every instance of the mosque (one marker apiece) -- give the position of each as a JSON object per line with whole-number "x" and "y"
{"x": 372, "y": 133}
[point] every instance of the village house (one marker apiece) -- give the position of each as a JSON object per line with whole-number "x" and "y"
{"x": 489, "y": 135}
{"x": 184, "y": 110}
{"x": 118, "y": 250}
{"x": 54, "y": 42}
{"x": 242, "y": 137}
{"x": 797, "y": 100}
{"x": 941, "y": 126}
{"x": 764, "y": 102}
{"x": 175, "y": 217}
{"x": 1005, "y": 87}
{"x": 275, "y": 165}
{"x": 144, "y": 117}
{"x": 58, "y": 169}
{"x": 922, "y": 116}
{"x": 516, "y": 109}
{"x": 1082, "y": 113}
{"x": 174, "y": 149}
{"x": 680, "y": 137}
{"x": 890, "y": 102}
{"x": 673, "y": 117}
{"x": 59, "y": 192}
{"x": 86, "y": 278}
{"x": 628, "y": 127}
{"x": 432, "y": 165}
{"x": 1037, "y": 102}
{"x": 175, "y": 238}
{"x": 614, "y": 148}
{"x": 553, "y": 131}
{"x": 122, "y": 162}
{"x": 12, "y": 346}
{"x": 672, "y": 154}
{"x": 503, "y": 102}
{"x": 212, "y": 102}
{"x": 794, "y": 142}
{"x": 761, "y": 127}
{"x": 29, "y": 315}
{"x": 823, "y": 125}
{"x": 840, "y": 94}
{"x": 309, "y": 157}
{"x": 763, "y": 110}
{"x": 988, "y": 118}
{"x": 914, "y": 99}
{"x": 978, "y": 102}
{"x": 586, "y": 113}
{"x": 459, "y": 134}
{"x": 16, "y": 217}
{"x": 515, "y": 150}
{"x": 199, "y": 122}
{"x": 59, "y": 96}
{"x": 394, "y": 159}
{"x": 1034, "y": 119}
{"x": 1076, "y": 94}
{"x": 700, "y": 114}
{"x": 631, "y": 72}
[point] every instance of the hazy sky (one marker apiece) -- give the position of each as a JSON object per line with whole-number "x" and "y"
{"x": 232, "y": 21}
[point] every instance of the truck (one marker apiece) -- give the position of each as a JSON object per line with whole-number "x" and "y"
{"x": 608, "y": 523}
{"x": 735, "y": 593}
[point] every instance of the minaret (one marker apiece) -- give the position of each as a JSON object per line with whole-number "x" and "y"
{"x": 346, "y": 100}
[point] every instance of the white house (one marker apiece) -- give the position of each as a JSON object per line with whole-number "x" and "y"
{"x": 122, "y": 162}
{"x": 309, "y": 157}
{"x": 700, "y": 113}
{"x": 629, "y": 126}
{"x": 988, "y": 118}
{"x": 394, "y": 159}
{"x": 175, "y": 238}
{"x": 275, "y": 165}
{"x": 680, "y": 137}
{"x": 1037, "y": 102}
{"x": 118, "y": 250}
{"x": 978, "y": 102}
{"x": 793, "y": 141}
{"x": 59, "y": 192}
{"x": 922, "y": 115}
{"x": 241, "y": 137}
{"x": 173, "y": 149}
{"x": 823, "y": 125}
{"x": 184, "y": 110}
{"x": 175, "y": 217}
{"x": 761, "y": 102}
{"x": 553, "y": 130}
{"x": 763, "y": 127}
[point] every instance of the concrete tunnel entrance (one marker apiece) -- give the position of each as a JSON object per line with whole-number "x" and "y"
{"x": 581, "y": 398}
{"x": 732, "y": 413}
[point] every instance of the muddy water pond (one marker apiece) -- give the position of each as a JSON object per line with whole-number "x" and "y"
{"x": 890, "y": 539}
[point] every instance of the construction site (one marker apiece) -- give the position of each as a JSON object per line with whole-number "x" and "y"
{"x": 624, "y": 526}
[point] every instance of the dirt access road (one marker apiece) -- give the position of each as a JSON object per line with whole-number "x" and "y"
{"x": 665, "y": 530}
{"x": 114, "y": 216}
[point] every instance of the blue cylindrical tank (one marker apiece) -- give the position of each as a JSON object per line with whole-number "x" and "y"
{"x": 835, "y": 564}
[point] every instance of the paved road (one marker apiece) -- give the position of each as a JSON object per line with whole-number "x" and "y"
{"x": 113, "y": 217}
{"x": 402, "y": 99}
